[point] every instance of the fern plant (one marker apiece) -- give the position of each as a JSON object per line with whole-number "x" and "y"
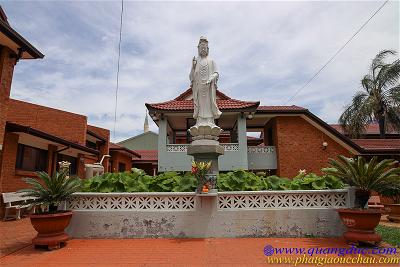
{"x": 49, "y": 190}
{"x": 366, "y": 176}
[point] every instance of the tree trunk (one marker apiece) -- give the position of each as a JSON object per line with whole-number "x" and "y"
{"x": 382, "y": 132}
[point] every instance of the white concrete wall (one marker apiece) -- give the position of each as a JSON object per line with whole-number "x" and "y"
{"x": 226, "y": 214}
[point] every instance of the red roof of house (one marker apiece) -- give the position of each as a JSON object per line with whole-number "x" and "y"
{"x": 280, "y": 108}
{"x": 378, "y": 143}
{"x": 113, "y": 146}
{"x": 181, "y": 103}
{"x": 147, "y": 155}
{"x": 372, "y": 128}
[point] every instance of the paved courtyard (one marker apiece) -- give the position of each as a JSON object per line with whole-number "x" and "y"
{"x": 16, "y": 250}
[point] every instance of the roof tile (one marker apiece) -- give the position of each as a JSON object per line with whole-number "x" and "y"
{"x": 378, "y": 143}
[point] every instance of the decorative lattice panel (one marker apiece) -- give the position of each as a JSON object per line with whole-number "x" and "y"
{"x": 230, "y": 147}
{"x": 261, "y": 149}
{"x": 132, "y": 202}
{"x": 183, "y": 147}
{"x": 177, "y": 148}
{"x": 282, "y": 201}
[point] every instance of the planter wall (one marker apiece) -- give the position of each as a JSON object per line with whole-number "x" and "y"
{"x": 225, "y": 214}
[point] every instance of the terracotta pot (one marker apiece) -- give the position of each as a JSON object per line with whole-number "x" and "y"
{"x": 50, "y": 228}
{"x": 360, "y": 224}
{"x": 393, "y": 211}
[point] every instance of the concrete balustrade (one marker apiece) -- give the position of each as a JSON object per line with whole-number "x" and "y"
{"x": 292, "y": 213}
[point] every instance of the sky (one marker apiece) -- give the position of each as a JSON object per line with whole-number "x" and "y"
{"x": 265, "y": 51}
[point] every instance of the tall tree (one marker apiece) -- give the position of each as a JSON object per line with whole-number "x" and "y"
{"x": 379, "y": 101}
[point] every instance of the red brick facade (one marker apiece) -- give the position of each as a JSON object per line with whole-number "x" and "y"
{"x": 299, "y": 146}
{"x": 6, "y": 73}
{"x": 66, "y": 125}
{"x": 118, "y": 157}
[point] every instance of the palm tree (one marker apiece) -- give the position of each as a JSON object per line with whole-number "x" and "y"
{"x": 378, "y": 102}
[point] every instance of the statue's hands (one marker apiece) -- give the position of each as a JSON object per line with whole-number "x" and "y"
{"x": 212, "y": 78}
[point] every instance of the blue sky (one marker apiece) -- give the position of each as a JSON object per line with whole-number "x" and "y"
{"x": 264, "y": 51}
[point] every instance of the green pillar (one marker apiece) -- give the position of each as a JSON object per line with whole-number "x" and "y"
{"x": 242, "y": 139}
{"x": 162, "y": 142}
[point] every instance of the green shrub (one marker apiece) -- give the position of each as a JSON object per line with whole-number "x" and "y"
{"x": 238, "y": 180}
{"x": 137, "y": 181}
{"x": 241, "y": 180}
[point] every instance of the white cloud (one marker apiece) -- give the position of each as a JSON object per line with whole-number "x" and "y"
{"x": 264, "y": 50}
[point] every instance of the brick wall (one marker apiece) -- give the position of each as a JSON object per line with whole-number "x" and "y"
{"x": 118, "y": 157}
{"x": 299, "y": 146}
{"x": 69, "y": 126}
{"x": 6, "y": 73}
{"x": 9, "y": 180}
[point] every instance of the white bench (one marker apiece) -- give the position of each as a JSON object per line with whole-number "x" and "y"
{"x": 15, "y": 200}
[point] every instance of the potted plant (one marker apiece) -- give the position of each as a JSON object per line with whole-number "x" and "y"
{"x": 365, "y": 176}
{"x": 393, "y": 209}
{"x": 48, "y": 193}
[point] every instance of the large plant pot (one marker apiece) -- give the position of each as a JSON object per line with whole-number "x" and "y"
{"x": 50, "y": 228}
{"x": 360, "y": 225}
{"x": 393, "y": 211}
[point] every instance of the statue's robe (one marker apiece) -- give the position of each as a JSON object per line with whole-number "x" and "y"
{"x": 204, "y": 95}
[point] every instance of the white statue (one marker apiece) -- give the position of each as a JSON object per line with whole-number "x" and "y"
{"x": 203, "y": 80}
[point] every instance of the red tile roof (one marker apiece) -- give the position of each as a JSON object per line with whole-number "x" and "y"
{"x": 378, "y": 144}
{"x": 113, "y": 146}
{"x": 180, "y": 103}
{"x": 147, "y": 155}
{"x": 187, "y": 105}
{"x": 280, "y": 108}
{"x": 188, "y": 92}
{"x": 372, "y": 128}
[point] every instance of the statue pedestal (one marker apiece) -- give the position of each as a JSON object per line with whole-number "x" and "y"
{"x": 206, "y": 150}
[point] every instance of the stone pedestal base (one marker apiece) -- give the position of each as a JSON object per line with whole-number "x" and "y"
{"x": 206, "y": 150}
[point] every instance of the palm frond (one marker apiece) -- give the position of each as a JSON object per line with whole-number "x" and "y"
{"x": 378, "y": 61}
{"x": 52, "y": 190}
{"x": 357, "y": 115}
{"x": 389, "y": 74}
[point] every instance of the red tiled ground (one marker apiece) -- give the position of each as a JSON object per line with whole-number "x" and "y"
{"x": 15, "y": 235}
{"x": 154, "y": 252}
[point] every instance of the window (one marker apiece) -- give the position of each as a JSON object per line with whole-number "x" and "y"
{"x": 121, "y": 167}
{"x": 31, "y": 158}
{"x": 92, "y": 145}
{"x": 73, "y": 160}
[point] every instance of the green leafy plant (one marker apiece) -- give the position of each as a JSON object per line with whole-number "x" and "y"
{"x": 312, "y": 181}
{"x": 49, "y": 190}
{"x": 137, "y": 181}
{"x": 366, "y": 176}
{"x": 274, "y": 182}
{"x": 239, "y": 180}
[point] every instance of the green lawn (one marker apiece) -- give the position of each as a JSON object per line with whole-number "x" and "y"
{"x": 390, "y": 235}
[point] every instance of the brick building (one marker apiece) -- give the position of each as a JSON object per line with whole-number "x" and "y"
{"x": 34, "y": 137}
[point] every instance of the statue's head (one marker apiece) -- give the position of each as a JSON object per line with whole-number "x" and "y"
{"x": 203, "y": 47}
